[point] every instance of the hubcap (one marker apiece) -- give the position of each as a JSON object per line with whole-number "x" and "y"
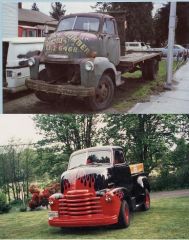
{"x": 102, "y": 93}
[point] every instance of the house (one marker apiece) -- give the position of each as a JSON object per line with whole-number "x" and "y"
{"x": 32, "y": 23}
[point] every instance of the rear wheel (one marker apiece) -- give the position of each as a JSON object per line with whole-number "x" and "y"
{"x": 146, "y": 204}
{"x": 150, "y": 69}
{"x": 124, "y": 215}
{"x": 103, "y": 95}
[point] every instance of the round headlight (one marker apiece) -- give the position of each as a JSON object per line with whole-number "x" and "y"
{"x": 31, "y": 62}
{"x": 89, "y": 66}
{"x": 51, "y": 202}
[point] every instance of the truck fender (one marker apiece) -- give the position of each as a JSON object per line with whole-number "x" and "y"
{"x": 101, "y": 66}
{"x": 126, "y": 195}
{"x": 143, "y": 182}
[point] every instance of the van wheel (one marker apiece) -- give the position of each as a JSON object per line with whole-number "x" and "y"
{"x": 124, "y": 215}
{"x": 150, "y": 69}
{"x": 146, "y": 204}
{"x": 103, "y": 94}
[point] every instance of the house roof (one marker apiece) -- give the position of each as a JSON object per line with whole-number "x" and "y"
{"x": 32, "y": 16}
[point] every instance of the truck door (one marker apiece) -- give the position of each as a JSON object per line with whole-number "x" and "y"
{"x": 111, "y": 40}
{"x": 122, "y": 172}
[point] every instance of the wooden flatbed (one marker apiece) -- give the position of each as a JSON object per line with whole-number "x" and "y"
{"x": 131, "y": 59}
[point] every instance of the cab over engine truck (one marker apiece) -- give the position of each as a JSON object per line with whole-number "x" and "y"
{"x": 82, "y": 59}
{"x": 99, "y": 188}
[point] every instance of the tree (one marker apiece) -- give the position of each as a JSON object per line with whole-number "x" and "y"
{"x": 34, "y": 7}
{"x": 137, "y": 15}
{"x": 58, "y": 10}
{"x": 161, "y": 22}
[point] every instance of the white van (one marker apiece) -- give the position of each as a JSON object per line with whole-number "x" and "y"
{"x": 16, "y": 52}
{"x": 136, "y": 46}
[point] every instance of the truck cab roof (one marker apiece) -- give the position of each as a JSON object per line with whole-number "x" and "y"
{"x": 100, "y": 148}
{"x": 93, "y": 14}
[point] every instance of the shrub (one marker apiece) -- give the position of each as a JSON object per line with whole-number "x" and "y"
{"x": 23, "y": 208}
{"x": 4, "y": 207}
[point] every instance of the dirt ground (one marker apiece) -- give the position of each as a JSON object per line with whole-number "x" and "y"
{"x": 27, "y": 102}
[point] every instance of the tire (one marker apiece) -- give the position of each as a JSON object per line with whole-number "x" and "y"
{"x": 104, "y": 94}
{"x": 146, "y": 204}
{"x": 150, "y": 70}
{"x": 124, "y": 215}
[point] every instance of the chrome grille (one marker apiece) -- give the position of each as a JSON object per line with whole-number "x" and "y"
{"x": 79, "y": 202}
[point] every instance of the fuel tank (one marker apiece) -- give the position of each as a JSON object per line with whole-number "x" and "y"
{"x": 74, "y": 44}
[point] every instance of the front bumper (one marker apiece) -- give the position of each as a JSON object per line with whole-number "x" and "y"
{"x": 87, "y": 221}
{"x": 65, "y": 89}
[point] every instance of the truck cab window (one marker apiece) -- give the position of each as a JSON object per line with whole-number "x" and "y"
{"x": 118, "y": 156}
{"x": 96, "y": 157}
{"x": 109, "y": 27}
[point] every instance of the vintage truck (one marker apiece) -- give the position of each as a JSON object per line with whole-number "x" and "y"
{"x": 99, "y": 188}
{"x": 82, "y": 59}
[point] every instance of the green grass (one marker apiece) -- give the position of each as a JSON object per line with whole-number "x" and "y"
{"x": 167, "y": 218}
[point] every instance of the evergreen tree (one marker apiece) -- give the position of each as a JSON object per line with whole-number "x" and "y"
{"x": 34, "y": 7}
{"x": 58, "y": 10}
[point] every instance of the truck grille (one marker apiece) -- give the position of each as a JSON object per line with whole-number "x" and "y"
{"x": 79, "y": 202}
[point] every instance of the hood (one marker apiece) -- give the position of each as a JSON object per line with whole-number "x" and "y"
{"x": 72, "y": 44}
{"x": 93, "y": 178}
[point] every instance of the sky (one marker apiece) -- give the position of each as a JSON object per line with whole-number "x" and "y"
{"x": 18, "y": 126}
{"x": 71, "y": 6}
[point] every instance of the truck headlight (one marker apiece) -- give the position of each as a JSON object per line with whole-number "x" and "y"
{"x": 52, "y": 214}
{"x": 51, "y": 202}
{"x": 89, "y": 66}
{"x": 108, "y": 197}
{"x": 31, "y": 61}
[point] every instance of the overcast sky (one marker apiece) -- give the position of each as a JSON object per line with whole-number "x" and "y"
{"x": 18, "y": 126}
{"x": 72, "y": 6}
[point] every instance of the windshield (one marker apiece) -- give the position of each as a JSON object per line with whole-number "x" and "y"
{"x": 90, "y": 158}
{"x": 89, "y": 24}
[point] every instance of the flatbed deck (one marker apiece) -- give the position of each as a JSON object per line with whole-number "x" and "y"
{"x": 131, "y": 59}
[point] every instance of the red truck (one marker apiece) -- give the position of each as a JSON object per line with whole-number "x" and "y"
{"x": 99, "y": 188}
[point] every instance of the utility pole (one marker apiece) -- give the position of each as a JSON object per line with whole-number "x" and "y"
{"x": 171, "y": 40}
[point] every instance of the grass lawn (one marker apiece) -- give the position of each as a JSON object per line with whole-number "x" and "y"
{"x": 136, "y": 90}
{"x": 167, "y": 218}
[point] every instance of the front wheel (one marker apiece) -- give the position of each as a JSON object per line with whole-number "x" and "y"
{"x": 146, "y": 204}
{"x": 124, "y": 215}
{"x": 103, "y": 94}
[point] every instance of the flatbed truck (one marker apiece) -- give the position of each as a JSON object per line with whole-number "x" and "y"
{"x": 82, "y": 59}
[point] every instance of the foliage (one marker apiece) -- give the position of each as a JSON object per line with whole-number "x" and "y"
{"x": 161, "y": 22}
{"x": 138, "y": 17}
{"x": 4, "y": 207}
{"x": 58, "y": 10}
{"x": 35, "y": 7}
{"x": 23, "y": 208}
{"x": 15, "y": 170}
{"x": 167, "y": 219}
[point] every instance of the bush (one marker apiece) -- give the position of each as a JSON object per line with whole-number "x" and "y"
{"x": 16, "y": 202}
{"x": 23, "y": 208}
{"x": 4, "y": 207}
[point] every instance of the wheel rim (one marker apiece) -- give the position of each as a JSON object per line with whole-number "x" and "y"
{"x": 147, "y": 200}
{"x": 127, "y": 215}
{"x": 102, "y": 93}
